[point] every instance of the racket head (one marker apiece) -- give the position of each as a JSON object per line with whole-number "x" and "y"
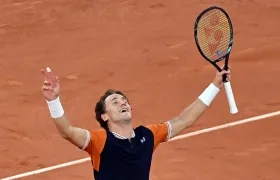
{"x": 213, "y": 34}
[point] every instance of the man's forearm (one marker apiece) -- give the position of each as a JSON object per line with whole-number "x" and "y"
{"x": 77, "y": 136}
{"x": 63, "y": 126}
{"x": 193, "y": 111}
{"x": 187, "y": 117}
{"x": 59, "y": 117}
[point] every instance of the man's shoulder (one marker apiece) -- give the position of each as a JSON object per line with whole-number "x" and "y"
{"x": 148, "y": 128}
{"x": 141, "y": 128}
{"x": 152, "y": 126}
{"x": 157, "y": 128}
{"x": 99, "y": 130}
{"x": 98, "y": 133}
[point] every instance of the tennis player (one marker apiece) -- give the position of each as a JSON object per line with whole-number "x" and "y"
{"x": 118, "y": 151}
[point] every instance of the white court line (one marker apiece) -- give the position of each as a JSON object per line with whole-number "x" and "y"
{"x": 256, "y": 118}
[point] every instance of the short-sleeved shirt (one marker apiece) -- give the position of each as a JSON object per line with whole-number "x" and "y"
{"x": 120, "y": 159}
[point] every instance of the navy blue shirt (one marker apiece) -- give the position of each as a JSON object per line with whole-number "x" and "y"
{"x": 120, "y": 159}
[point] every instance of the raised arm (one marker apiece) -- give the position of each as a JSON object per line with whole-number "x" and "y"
{"x": 50, "y": 90}
{"x": 197, "y": 108}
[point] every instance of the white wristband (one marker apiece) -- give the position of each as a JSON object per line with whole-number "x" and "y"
{"x": 55, "y": 107}
{"x": 209, "y": 94}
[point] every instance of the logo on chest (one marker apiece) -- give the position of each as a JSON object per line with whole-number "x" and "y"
{"x": 143, "y": 140}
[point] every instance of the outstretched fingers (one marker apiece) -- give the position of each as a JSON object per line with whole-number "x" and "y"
{"x": 47, "y": 73}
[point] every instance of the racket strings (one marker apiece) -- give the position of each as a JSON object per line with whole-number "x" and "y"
{"x": 220, "y": 34}
{"x": 214, "y": 41}
{"x": 213, "y": 34}
{"x": 223, "y": 26}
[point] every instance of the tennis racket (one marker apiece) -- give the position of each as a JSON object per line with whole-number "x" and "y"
{"x": 213, "y": 34}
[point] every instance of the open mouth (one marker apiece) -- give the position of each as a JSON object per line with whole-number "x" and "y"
{"x": 124, "y": 110}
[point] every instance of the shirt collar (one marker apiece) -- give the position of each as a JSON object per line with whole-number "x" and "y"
{"x": 122, "y": 137}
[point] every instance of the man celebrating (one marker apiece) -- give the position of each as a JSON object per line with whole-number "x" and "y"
{"x": 117, "y": 150}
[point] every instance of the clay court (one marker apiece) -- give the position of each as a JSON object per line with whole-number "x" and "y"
{"x": 146, "y": 49}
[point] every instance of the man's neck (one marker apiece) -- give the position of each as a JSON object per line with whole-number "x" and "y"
{"x": 123, "y": 130}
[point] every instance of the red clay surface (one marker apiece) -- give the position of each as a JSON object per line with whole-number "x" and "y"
{"x": 145, "y": 48}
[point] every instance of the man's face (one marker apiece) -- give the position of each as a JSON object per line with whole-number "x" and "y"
{"x": 117, "y": 109}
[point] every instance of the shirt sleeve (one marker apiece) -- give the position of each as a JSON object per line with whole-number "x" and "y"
{"x": 95, "y": 141}
{"x": 94, "y": 145}
{"x": 161, "y": 132}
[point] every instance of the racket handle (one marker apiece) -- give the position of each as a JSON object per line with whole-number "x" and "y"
{"x": 230, "y": 97}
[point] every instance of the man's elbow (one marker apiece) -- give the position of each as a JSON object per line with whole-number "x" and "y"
{"x": 66, "y": 133}
{"x": 186, "y": 121}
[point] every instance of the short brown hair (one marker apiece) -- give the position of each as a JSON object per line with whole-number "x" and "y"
{"x": 100, "y": 107}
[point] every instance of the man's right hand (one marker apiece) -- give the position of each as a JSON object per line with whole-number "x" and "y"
{"x": 51, "y": 87}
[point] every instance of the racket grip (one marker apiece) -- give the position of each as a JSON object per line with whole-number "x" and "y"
{"x": 230, "y": 97}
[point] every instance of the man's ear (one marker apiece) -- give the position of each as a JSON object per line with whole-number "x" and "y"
{"x": 104, "y": 117}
